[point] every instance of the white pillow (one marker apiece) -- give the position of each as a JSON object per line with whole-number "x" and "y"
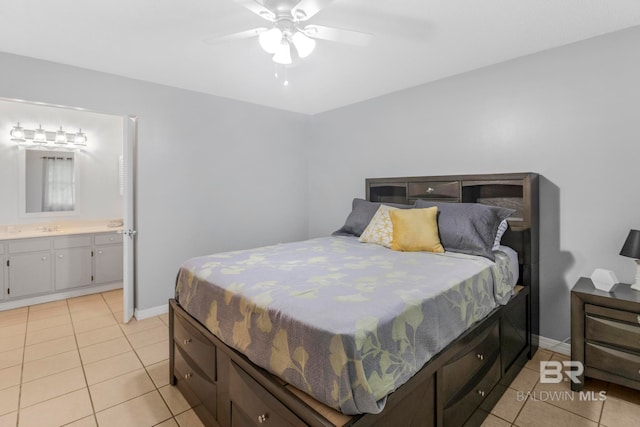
{"x": 380, "y": 228}
{"x": 501, "y": 229}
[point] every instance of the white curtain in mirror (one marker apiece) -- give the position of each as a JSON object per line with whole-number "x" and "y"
{"x": 58, "y": 188}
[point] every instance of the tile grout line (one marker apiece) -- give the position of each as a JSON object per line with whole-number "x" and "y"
{"x": 84, "y": 373}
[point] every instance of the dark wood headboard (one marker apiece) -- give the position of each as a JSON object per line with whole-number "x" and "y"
{"x": 518, "y": 191}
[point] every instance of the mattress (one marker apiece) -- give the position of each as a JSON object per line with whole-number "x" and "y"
{"x": 344, "y": 321}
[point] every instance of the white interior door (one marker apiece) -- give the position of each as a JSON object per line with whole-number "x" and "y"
{"x": 129, "y": 238}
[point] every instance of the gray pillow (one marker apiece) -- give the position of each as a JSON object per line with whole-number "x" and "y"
{"x": 468, "y": 228}
{"x": 361, "y": 213}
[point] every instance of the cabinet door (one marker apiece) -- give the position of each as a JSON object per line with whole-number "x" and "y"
{"x": 29, "y": 274}
{"x": 2, "y": 290}
{"x": 72, "y": 267}
{"x": 107, "y": 264}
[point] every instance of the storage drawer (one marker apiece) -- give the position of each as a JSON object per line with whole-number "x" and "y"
{"x": 71, "y": 242}
{"x": 476, "y": 354}
{"x": 434, "y": 190}
{"x": 613, "y": 332}
{"x": 199, "y": 349}
{"x": 611, "y": 313}
{"x": 252, "y": 405}
{"x": 471, "y": 397}
{"x": 200, "y": 390}
{"x": 617, "y": 362}
{"x": 107, "y": 238}
{"x": 29, "y": 245}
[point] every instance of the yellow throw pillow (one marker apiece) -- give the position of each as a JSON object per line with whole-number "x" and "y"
{"x": 380, "y": 228}
{"x": 415, "y": 230}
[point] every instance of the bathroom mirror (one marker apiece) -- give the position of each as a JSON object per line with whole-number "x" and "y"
{"x": 49, "y": 181}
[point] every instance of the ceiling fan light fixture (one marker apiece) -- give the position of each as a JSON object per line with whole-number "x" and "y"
{"x": 271, "y": 40}
{"x": 283, "y": 53}
{"x": 303, "y": 44}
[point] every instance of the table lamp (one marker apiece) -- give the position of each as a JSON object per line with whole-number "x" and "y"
{"x": 631, "y": 249}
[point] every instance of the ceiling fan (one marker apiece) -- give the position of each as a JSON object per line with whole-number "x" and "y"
{"x": 289, "y": 37}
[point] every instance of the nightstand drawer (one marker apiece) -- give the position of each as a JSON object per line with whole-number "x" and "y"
{"x": 625, "y": 316}
{"x": 612, "y": 332}
{"x": 614, "y": 361}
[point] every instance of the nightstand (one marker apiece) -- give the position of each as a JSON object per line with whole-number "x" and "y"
{"x": 605, "y": 333}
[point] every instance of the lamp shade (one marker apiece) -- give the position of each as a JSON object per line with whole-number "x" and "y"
{"x": 304, "y": 45}
{"x": 17, "y": 133}
{"x": 270, "y": 40}
{"x": 631, "y": 246}
{"x": 283, "y": 54}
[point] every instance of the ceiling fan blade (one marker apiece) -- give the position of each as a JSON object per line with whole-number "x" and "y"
{"x": 355, "y": 38}
{"x": 310, "y": 8}
{"x": 235, "y": 36}
{"x": 258, "y": 8}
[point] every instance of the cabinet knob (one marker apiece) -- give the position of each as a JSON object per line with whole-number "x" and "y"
{"x": 481, "y": 393}
{"x": 430, "y": 190}
{"x": 60, "y": 256}
{"x": 480, "y": 356}
{"x": 188, "y": 375}
{"x": 638, "y": 318}
{"x": 187, "y": 341}
{"x": 99, "y": 252}
{"x": 44, "y": 258}
{"x": 263, "y": 418}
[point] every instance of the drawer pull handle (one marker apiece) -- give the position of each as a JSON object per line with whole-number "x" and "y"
{"x": 187, "y": 341}
{"x": 263, "y": 418}
{"x": 480, "y": 356}
{"x": 430, "y": 190}
{"x": 188, "y": 375}
{"x": 481, "y": 393}
{"x": 638, "y": 318}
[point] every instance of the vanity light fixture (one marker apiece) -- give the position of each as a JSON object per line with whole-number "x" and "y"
{"x": 17, "y": 133}
{"x": 41, "y": 136}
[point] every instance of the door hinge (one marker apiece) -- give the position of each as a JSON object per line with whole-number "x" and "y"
{"x": 7, "y": 263}
{"x": 91, "y": 253}
{"x": 8, "y": 291}
{"x": 92, "y": 278}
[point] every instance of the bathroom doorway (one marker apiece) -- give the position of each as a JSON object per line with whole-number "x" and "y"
{"x": 104, "y": 180}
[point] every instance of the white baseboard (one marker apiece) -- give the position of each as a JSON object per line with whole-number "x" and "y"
{"x": 23, "y": 302}
{"x": 150, "y": 312}
{"x": 556, "y": 346}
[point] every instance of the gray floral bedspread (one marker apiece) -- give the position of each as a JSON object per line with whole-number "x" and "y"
{"x": 346, "y": 322}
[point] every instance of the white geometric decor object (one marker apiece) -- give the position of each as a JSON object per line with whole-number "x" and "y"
{"x": 604, "y": 279}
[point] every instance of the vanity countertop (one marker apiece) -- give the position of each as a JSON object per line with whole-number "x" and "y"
{"x": 54, "y": 231}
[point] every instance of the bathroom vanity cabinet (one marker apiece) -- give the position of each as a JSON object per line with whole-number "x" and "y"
{"x": 48, "y": 265}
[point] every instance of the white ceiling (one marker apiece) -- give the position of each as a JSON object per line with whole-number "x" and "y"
{"x": 415, "y": 42}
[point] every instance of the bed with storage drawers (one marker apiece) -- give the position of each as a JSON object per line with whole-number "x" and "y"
{"x": 336, "y": 332}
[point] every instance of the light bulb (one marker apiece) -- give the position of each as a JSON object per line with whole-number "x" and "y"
{"x": 81, "y": 138}
{"x": 270, "y": 40}
{"x": 17, "y": 133}
{"x": 40, "y": 136}
{"x": 283, "y": 54}
{"x": 61, "y": 136}
{"x": 304, "y": 45}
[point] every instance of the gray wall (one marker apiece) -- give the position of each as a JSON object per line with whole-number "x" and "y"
{"x": 571, "y": 114}
{"x": 213, "y": 174}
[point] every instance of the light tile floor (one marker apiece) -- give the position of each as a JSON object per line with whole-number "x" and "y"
{"x": 527, "y": 402}
{"x": 74, "y": 363}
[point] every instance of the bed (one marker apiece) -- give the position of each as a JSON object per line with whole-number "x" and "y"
{"x": 420, "y": 339}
